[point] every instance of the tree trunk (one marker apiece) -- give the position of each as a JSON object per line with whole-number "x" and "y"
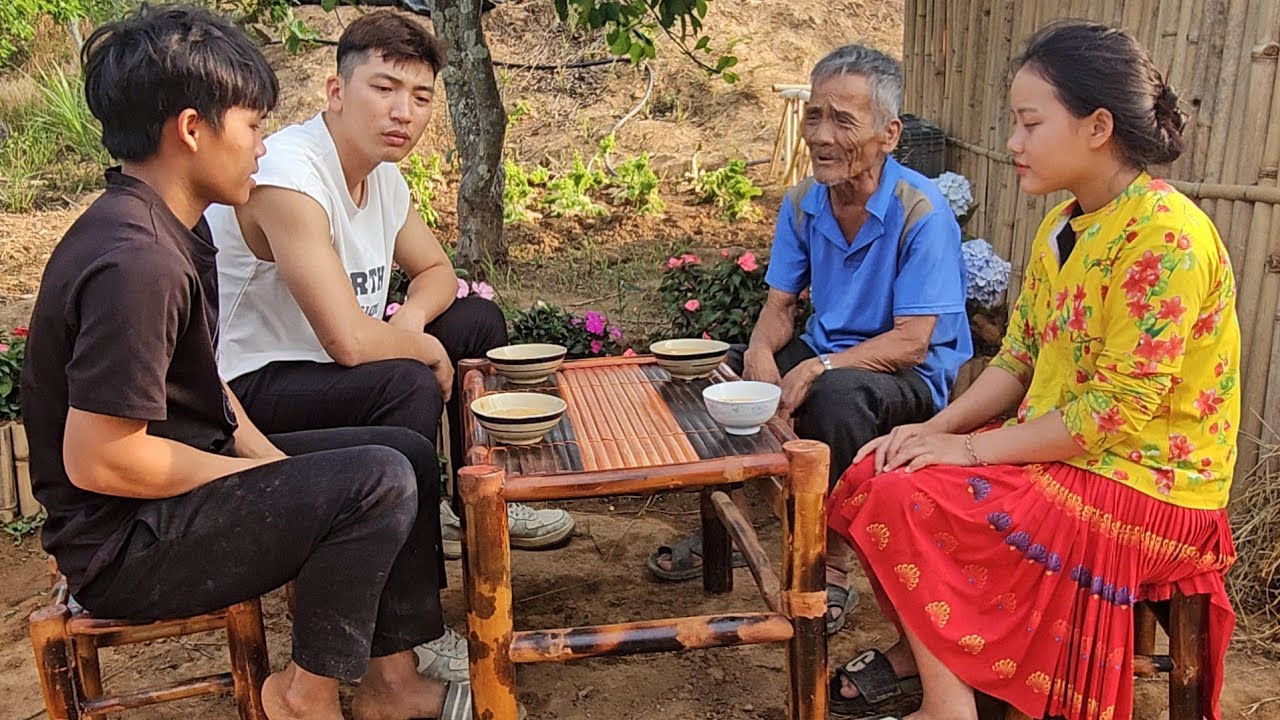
{"x": 479, "y": 124}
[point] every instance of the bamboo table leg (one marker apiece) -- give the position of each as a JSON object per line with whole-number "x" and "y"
{"x": 717, "y": 550}
{"x": 804, "y": 578}
{"x": 486, "y": 571}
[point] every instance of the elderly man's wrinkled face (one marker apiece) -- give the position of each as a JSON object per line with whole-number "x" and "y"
{"x": 845, "y": 134}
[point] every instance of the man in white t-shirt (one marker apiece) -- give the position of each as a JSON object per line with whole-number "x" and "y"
{"x": 304, "y": 268}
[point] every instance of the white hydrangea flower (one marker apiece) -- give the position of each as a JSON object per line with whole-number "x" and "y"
{"x": 958, "y": 191}
{"x": 987, "y": 272}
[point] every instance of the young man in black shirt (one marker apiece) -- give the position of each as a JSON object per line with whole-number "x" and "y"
{"x": 163, "y": 499}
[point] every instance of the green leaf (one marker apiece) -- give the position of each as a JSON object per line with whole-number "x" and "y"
{"x": 702, "y": 43}
{"x": 328, "y": 5}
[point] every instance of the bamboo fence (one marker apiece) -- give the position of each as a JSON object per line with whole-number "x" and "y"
{"x": 1220, "y": 55}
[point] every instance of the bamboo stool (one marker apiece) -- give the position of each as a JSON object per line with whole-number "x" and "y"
{"x": 630, "y": 429}
{"x": 790, "y": 153}
{"x": 66, "y": 640}
{"x": 1185, "y": 620}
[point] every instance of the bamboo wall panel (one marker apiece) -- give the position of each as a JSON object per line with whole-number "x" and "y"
{"x": 1221, "y": 57}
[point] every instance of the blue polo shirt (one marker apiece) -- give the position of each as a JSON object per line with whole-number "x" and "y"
{"x": 858, "y": 287}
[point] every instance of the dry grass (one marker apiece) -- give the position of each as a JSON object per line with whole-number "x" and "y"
{"x": 1254, "y": 583}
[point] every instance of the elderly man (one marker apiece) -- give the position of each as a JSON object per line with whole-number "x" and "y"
{"x": 878, "y": 248}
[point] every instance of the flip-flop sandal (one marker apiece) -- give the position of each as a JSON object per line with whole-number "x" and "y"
{"x": 682, "y": 566}
{"x": 878, "y": 685}
{"x": 840, "y": 598}
{"x": 457, "y": 702}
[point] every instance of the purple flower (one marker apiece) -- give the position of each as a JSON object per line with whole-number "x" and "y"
{"x": 483, "y": 289}
{"x": 392, "y": 309}
{"x": 596, "y": 347}
{"x": 595, "y": 322}
{"x": 464, "y": 289}
{"x": 979, "y": 488}
{"x": 999, "y": 521}
{"x": 615, "y": 332}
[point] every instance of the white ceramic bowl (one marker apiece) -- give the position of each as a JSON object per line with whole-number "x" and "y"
{"x": 742, "y": 406}
{"x": 527, "y": 364}
{"x": 689, "y": 358}
{"x": 518, "y": 418}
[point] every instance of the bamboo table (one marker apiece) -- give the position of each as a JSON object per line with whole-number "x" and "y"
{"x": 631, "y": 429}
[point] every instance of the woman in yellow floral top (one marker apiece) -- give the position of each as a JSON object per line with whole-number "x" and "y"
{"x": 1010, "y": 557}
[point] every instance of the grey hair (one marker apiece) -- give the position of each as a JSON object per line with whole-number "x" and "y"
{"x": 883, "y": 73}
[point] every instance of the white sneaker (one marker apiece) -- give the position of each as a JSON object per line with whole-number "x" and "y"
{"x": 445, "y": 658}
{"x": 532, "y": 529}
{"x": 529, "y": 529}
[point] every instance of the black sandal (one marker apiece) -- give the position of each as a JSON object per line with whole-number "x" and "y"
{"x": 682, "y": 566}
{"x": 878, "y": 685}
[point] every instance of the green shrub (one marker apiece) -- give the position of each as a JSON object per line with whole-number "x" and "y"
{"x": 13, "y": 347}
{"x": 588, "y": 335}
{"x": 637, "y": 185}
{"x": 731, "y": 191}
{"x": 720, "y": 299}
{"x": 424, "y": 178}
{"x": 517, "y": 195}
{"x": 568, "y": 195}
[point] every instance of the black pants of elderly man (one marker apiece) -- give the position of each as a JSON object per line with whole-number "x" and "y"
{"x": 845, "y": 408}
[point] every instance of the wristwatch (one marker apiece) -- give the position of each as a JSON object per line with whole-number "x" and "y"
{"x": 825, "y": 359}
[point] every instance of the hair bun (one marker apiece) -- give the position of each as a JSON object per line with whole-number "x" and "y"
{"x": 1170, "y": 120}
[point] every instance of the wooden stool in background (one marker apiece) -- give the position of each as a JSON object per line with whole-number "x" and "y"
{"x": 66, "y": 641}
{"x": 790, "y": 154}
{"x": 1186, "y": 620}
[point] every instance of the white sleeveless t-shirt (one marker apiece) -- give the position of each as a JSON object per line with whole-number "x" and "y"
{"x": 259, "y": 320}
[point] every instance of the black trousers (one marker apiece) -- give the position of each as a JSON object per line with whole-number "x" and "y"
{"x": 291, "y": 396}
{"x": 352, "y": 516}
{"x": 849, "y": 407}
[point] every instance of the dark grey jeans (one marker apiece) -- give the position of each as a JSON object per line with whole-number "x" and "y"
{"x": 352, "y": 516}
{"x": 849, "y": 407}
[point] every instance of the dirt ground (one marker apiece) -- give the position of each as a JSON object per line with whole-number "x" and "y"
{"x": 599, "y": 576}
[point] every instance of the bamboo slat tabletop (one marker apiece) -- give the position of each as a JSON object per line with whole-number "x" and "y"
{"x": 630, "y": 414}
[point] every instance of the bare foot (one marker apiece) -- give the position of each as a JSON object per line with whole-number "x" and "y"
{"x": 291, "y": 695}
{"x": 406, "y": 696}
{"x": 903, "y": 662}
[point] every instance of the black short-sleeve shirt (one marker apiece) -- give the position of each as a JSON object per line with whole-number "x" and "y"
{"x": 125, "y": 324}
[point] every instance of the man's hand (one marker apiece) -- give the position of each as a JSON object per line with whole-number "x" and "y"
{"x": 796, "y": 386}
{"x": 409, "y": 318}
{"x": 758, "y": 364}
{"x": 441, "y": 366}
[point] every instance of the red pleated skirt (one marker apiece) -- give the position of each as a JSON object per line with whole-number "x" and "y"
{"x": 1022, "y": 579}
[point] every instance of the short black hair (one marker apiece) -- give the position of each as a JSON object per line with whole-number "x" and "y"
{"x": 153, "y": 64}
{"x": 393, "y": 36}
{"x": 1092, "y": 66}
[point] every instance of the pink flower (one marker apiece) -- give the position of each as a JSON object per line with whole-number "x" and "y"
{"x": 615, "y": 332}
{"x": 596, "y": 347}
{"x": 629, "y": 352}
{"x": 674, "y": 262}
{"x": 392, "y": 309}
{"x": 692, "y": 305}
{"x": 4, "y": 347}
{"x": 483, "y": 289}
{"x": 20, "y": 331}
{"x": 691, "y": 259}
{"x": 747, "y": 261}
{"x": 706, "y": 335}
{"x": 464, "y": 288}
{"x": 724, "y": 254}
{"x": 595, "y": 322}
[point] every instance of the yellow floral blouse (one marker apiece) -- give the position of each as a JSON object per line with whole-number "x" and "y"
{"x": 1135, "y": 341}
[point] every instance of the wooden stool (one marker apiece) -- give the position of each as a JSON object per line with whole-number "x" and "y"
{"x": 790, "y": 153}
{"x": 1185, "y": 619}
{"x": 66, "y": 641}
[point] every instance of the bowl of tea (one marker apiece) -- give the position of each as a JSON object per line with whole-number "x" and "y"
{"x": 527, "y": 363}
{"x": 518, "y": 418}
{"x": 689, "y": 358}
{"x": 741, "y": 407}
